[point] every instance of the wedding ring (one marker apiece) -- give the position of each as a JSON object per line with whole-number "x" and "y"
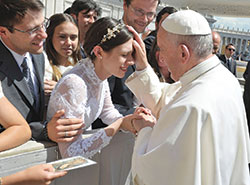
{"x": 65, "y": 134}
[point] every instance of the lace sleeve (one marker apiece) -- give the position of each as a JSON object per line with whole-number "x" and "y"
{"x": 88, "y": 147}
{"x": 109, "y": 113}
{"x": 68, "y": 96}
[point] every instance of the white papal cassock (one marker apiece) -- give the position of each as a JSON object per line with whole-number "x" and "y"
{"x": 201, "y": 136}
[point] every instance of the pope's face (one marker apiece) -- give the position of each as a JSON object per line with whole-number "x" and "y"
{"x": 168, "y": 53}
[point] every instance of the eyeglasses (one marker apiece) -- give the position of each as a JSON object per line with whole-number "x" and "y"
{"x": 231, "y": 49}
{"x": 35, "y": 30}
{"x": 140, "y": 12}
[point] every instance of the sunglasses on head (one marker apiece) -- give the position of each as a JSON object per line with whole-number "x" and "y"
{"x": 231, "y": 49}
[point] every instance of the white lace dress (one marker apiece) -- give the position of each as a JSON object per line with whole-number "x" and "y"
{"x": 83, "y": 95}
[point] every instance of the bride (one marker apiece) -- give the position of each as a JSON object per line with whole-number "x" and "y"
{"x": 84, "y": 91}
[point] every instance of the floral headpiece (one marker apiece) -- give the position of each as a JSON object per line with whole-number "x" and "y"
{"x": 112, "y": 32}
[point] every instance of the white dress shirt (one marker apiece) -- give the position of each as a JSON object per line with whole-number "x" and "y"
{"x": 19, "y": 60}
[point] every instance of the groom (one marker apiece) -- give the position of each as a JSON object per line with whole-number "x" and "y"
{"x": 201, "y": 136}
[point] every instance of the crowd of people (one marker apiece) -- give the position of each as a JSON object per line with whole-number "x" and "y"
{"x": 75, "y": 70}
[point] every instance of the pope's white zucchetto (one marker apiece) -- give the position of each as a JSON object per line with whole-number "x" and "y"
{"x": 186, "y": 22}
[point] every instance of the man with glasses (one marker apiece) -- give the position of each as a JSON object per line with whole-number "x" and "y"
{"x": 85, "y": 12}
{"x": 139, "y": 13}
{"x": 227, "y": 58}
{"x": 22, "y": 31}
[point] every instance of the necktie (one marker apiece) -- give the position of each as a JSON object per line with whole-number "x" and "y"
{"x": 228, "y": 64}
{"x": 27, "y": 76}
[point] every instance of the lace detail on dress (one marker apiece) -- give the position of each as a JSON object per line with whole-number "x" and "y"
{"x": 83, "y": 95}
{"x": 88, "y": 147}
{"x": 86, "y": 71}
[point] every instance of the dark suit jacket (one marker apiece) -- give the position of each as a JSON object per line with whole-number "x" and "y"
{"x": 246, "y": 95}
{"x": 232, "y": 64}
{"x": 149, "y": 41}
{"x": 16, "y": 89}
{"x": 245, "y": 75}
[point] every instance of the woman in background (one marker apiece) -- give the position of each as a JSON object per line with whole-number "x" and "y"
{"x": 62, "y": 48}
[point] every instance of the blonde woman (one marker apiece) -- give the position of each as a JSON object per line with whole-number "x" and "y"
{"x": 62, "y": 48}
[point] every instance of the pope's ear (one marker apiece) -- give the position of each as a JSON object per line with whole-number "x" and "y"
{"x": 184, "y": 53}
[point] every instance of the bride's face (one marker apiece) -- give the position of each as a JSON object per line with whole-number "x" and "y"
{"x": 116, "y": 61}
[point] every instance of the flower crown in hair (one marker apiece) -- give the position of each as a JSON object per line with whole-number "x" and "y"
{"x": 112, "y": 32}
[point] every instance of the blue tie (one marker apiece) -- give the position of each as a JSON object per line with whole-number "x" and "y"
{"x": 27, "y": 76}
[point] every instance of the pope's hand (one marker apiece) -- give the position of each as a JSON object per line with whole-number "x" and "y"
{"x": 148, "y": 120}
{"x": 140, "y": 55}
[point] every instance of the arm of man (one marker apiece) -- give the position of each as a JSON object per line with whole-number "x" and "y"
{"x": 150, "y": 91}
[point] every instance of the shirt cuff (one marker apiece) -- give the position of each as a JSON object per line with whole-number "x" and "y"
{"x": 141, "y": 71}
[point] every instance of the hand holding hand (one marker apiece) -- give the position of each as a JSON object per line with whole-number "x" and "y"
{"x": 127, "y": 122}
{"x": 63, "y": 129}
{"x": 148, "y": 120}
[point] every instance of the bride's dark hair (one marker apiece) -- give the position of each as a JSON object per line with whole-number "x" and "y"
{"x": 99, "y": 29}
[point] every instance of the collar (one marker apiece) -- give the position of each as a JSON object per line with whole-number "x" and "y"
{"x": 199, "y": 70}
{"x": 227, "y": 58}
{"x": 90, "y": 69}
{"x": 19, "y": 58}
